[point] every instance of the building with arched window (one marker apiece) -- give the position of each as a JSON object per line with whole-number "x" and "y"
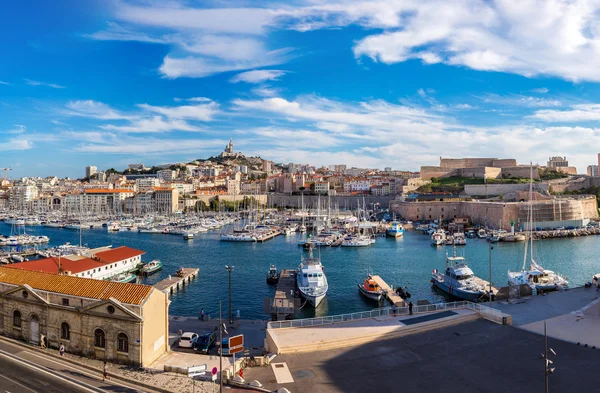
{"x": 124, "y": 323}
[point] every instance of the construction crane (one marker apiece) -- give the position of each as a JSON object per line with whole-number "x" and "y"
{"x": 6, "y": 169}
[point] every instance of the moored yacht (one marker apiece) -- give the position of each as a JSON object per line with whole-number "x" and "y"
{"x": 311, "y": 279}
{"x": 458, "y": 279}
{"x": 438, "y": 238}
{"x": 394, "y": 230}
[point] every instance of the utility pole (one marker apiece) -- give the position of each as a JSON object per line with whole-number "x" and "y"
{"x": 229, "y": 269}
{"x": 490, "y": 252}
{"x": 547, "y": 362}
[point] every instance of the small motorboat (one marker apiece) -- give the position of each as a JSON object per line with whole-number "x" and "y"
{"x": 188, "y": 235}
{"x": 370, "y": 289}
{"x": 403, "y": 292}
{"x": 151, "y": 267}
{"x": 272, "y": 275}
{"x": 124, "y": 278}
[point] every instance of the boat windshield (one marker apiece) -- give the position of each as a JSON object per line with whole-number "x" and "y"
{"x": 464, "y": 277}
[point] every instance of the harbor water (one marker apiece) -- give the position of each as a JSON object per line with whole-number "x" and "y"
{"x": 406, "y": 261}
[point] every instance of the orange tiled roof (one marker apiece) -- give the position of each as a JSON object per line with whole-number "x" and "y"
{"x": 163, "y": 189}
{"x": 106, "y": 190}
{"x": 50, "y": 265}
{"x": 118, "y": 254}
{"x": 77, "y": 286}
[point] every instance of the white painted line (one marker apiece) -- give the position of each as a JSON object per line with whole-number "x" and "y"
{"x": 17, "y": 383}
{"x": 282, "y": 373}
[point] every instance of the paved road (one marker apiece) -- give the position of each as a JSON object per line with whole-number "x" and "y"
{"x": 28, "y": 371}
{"x": 474, "y": 357}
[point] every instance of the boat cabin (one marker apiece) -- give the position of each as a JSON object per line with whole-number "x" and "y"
{"x": 371, "y": 285}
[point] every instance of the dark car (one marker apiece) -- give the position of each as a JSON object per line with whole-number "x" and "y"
{"x": 205, "y": 342}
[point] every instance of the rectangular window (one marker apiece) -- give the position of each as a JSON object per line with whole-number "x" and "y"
{"x": 65, "y": 302}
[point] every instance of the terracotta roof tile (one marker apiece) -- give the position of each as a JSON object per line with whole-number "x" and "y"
{"x": 50, "y": 265}
{"x": 77, "y": 286}
{"x": 118, "y": 254}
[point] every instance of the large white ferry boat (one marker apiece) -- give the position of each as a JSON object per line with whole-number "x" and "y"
{"x": 311, "y": 279}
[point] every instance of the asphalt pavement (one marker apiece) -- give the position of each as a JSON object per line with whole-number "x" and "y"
{"x": 29, "y": 371}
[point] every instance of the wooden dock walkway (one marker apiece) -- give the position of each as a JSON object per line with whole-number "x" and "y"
{"x": 176, "y": 282}
{"x": 269, "y": 236}
{"x": 283, "y": 305}
{"x": 486, "y": 285}
{"x": 391, "y": 294}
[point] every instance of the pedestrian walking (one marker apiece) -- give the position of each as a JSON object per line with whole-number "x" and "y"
{"x": 61, "y": 350}
{"x": 394, "y": 309}
{"x": 410, "y": 306}
{"x": 42, "y": 341}
{"x": 105, "y": 372}
{"x": 202, "y": 314}
{"x": 596, "y": 283}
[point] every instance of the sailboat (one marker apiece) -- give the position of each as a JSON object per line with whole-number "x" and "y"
{"x": 536, "y": 277}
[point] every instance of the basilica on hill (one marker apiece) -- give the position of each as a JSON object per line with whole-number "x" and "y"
{"x": 229, "y": 153}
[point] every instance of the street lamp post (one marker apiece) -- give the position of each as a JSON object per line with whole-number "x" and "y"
{"x": 229, "y": 269}
{"x": 490, "y": 252}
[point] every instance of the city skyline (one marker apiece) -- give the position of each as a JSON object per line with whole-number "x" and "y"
{"x": 367, "y": 84}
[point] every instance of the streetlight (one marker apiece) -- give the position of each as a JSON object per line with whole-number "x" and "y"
{"x": 547, "y": 362}
{"x": 229, "y": 269}
{"x": 490, "y": 252}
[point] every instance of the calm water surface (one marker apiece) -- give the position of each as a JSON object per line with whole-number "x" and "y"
{"x": 404, "y": 261}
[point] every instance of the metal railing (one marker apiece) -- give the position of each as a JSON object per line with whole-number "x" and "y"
{"x": 485, "y": 311}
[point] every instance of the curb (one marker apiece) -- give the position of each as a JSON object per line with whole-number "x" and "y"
{"x": 85, "y": 366}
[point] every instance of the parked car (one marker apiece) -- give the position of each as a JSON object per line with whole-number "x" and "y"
{"x": 205, "y": 342}
{"x": 187, "y": 339}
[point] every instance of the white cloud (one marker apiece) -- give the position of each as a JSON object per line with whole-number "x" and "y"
{"x": 20, "y": 143}
{"x": 38, "y": 83}
{"x": 153, "y": 124}
{"x": 520, "y": 101}
{"x": 577, "y": 113}
{"x": 257, "y": 76}
{"x": 94, "y": 109}
{"x": 5, "y": 83}
{"x": 266, "y": 91}
{"x": 540, "y": 90}
{"x": 147, "y": 146}
{"x": 204, "y": 112}
{"x": 205, "y": 41}
{"x": 199, "y": 67}
{"x": 17, "y": 129}
{"x": 296, "y": 137}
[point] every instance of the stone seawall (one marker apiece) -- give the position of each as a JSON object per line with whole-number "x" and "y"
{"x": 497, "y": 215}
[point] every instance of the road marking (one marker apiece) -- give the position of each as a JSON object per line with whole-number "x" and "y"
{"x": 282, "y": 373}
{"x": 17, "y": 383}
{"x": 42, "y": 369}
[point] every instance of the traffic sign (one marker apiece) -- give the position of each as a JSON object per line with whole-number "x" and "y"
{"x": 236, "y": 344}
{"x": 214, "y": 371}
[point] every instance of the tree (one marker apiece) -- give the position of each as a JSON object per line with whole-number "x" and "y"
{"x": 312, "y": 186}
{"x": 302, "y": 188}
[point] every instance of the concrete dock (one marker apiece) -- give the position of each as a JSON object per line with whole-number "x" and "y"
{"x": 177, "y": 281}
{"x": 283, "y": 305}
{"x": 390, "y": 293}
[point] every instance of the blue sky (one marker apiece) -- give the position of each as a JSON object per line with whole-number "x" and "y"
{"x": 364, "y": 83}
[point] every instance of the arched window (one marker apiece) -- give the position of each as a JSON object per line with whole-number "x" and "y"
{"x": 65, "y": 331}
{"x": 99, "y": 338}
{"x": 17, "y": 318}
{"x": 122, "y": 342}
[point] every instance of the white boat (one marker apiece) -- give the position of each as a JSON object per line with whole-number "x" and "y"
{"x": 538, "y": 278}
{"x": 358, "y": 241}
{"x": 188, "y": 235}
{"x": 459, "y": 239}
{"x": 237, "y": 237}
{"x": 395, "y": 230}
{"x": 113, "y": 227}
{"x": 311, "y": 280}
{"x": 15, "y": 221}
{"x": 370, "y": 289}
{"x": 149, "y": 230}
{"x": 458, "y": 279}
{"x": 438, "y": 238}
{"x": 481, "y": 234}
